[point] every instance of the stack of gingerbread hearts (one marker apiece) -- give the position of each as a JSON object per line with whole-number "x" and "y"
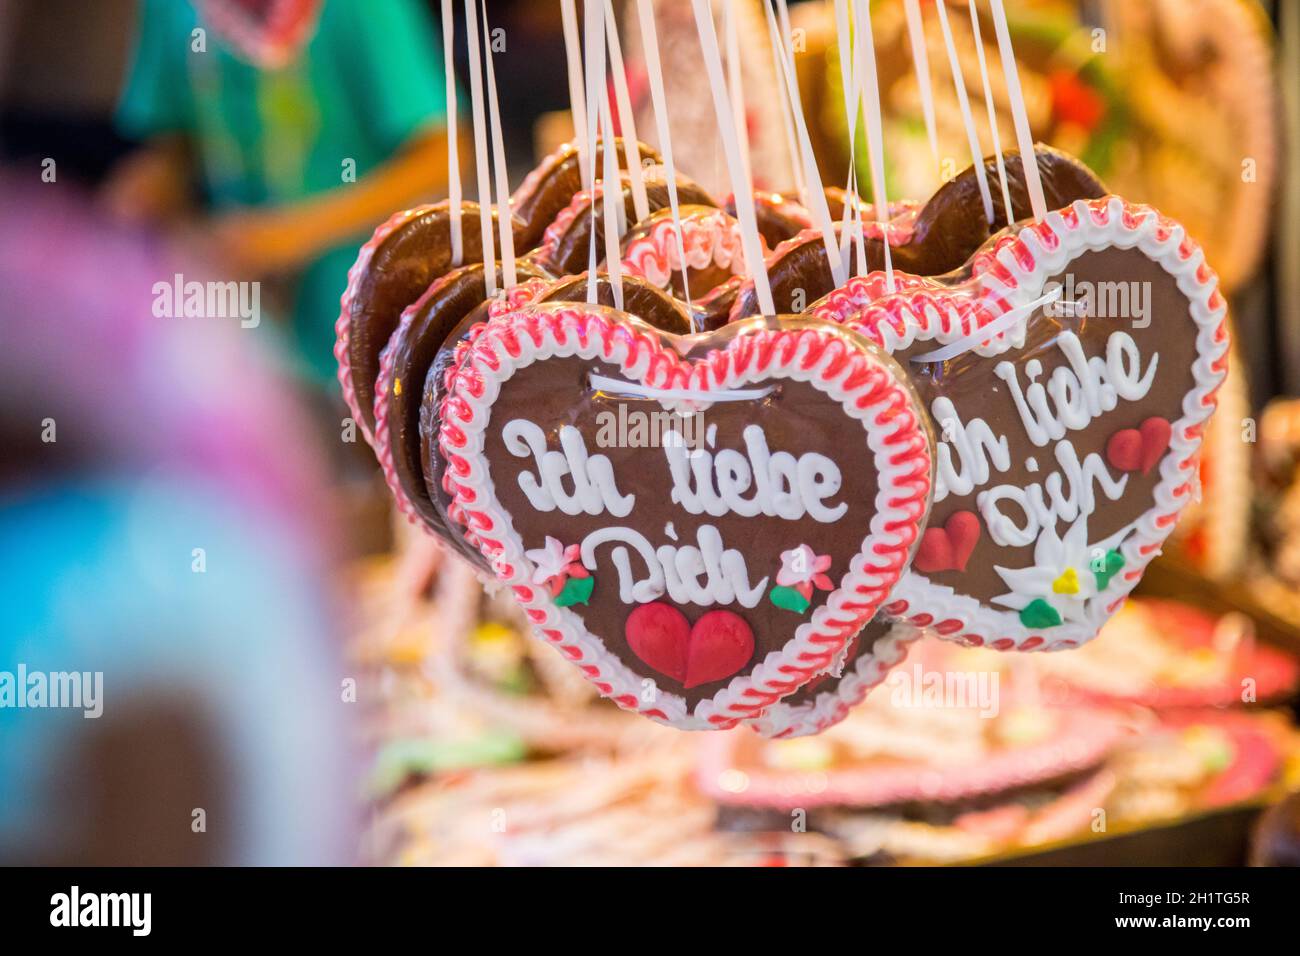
{"x": 731, "y": 478}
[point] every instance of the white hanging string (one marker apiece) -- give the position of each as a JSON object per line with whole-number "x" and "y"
{"x": 972, "y": 137}
{"x": 626, "y": 119}
{"x": 850, "y": 80}
{"x": 993, "y": 329}
{"x": 875, "y": 130}
{"x": 795, "y": 97}
{"x": 816, "y": 195}
{"x": 577, "y": 101}
{"x": 613, "y": 264}
{"x": 480, "y": 146}
{"x": 787, "y": 124}
{"x": 854, "y": 199}
{"x": 654, "y": 70}
{"x": 859, "y": 239}
{"x": 1024, "y": 138}
{"x": 993, "y": 116}
{"x": 612, "y": 199}
{"x": 616, "y": 386}
{"x": 594, "y": 34}
{"x": 453, "y": 147}
{"x": 735, "y": 85}
{"x": 740, "y": 187}
{"x": 921, "y": 64}
{"x": 504, "y": 222}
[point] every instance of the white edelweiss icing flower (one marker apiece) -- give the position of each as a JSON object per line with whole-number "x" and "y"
{"x": 1062, "y": 573}
{"x": 550, "y": 560}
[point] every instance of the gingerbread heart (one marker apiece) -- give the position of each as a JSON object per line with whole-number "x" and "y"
{"x": 1139, "y": 449}
{"x": 405, "y": 255}
{"x": 710, "y": 238}
{"x": 777, "y": 471}
{"x": 926, "y": 240}
{"x": 566, "y": 244}
{"x": 1069, "y": 372}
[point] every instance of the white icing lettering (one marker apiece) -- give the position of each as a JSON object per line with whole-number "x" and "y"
{"x": 782, "y": 486}
{"x": 594, "y": 488}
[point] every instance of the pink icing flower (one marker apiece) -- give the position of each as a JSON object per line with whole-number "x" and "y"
{"x": 555, "y": 564}
{"x": 801, "y": 568}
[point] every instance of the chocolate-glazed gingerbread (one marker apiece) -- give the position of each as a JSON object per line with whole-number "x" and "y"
{"x": 646, "y": 302}
{"x": 713, "y": 250}
{"x": 554, "y": 183}
{"x": 797, "y": 419}
{"x": 566, "y": 248}
{"x": 640, "y": 299}
{"x": 1069, "y": 425}
{"x": 410, "y": 353}
{"x": 395, "y": 268}
{"x": 946, "y": 231}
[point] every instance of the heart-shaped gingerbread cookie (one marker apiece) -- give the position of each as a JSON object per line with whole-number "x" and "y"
{"x": 1069, "y": 373}
{"x": 700, "y": 523}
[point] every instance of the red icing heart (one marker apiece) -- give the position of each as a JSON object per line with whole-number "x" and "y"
{"x": 1139, "y": 449}
{"x": 719, "y": 644}
{"x": 660, "y": 635}
{"x": 1156, "y": 433}
{"x": 1124, "y": 449}
{"x": 948, "y": 548}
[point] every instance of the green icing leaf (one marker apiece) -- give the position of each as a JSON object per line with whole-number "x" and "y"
{"x": 576, "y": 591}
{"x": 1107, "y": 568}
{"x": 1038, "y": 613}
{"x": 788, "y": 599}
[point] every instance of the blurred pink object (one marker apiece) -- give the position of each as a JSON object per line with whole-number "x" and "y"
{"x": 132, "y": 391}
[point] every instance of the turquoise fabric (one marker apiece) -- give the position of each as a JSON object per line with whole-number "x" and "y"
{"x": 369, "y": 78}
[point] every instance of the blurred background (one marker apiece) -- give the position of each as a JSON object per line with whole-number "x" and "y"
{"x": 290, "y": 674}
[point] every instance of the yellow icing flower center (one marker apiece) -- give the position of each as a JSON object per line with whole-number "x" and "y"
{"x": 1067, "y": 583}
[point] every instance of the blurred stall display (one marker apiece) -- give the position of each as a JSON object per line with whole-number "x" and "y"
{"x": 962, "y": 755}
{"x": 931, "y": 733}
{"x": 1171, "y": 102}
{"x": 597, "y": 812}
{"x": 967, "y": 831}
{"x": 696, "y": 146}
{"x": 166, "y": 531}
{"x": 1196, "y": 761}
{"x": 491, "y": 664}
{"x": 269, "y": 35}
{"x": 1163, "y": 654}
{"x": 1278, "y": 510}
